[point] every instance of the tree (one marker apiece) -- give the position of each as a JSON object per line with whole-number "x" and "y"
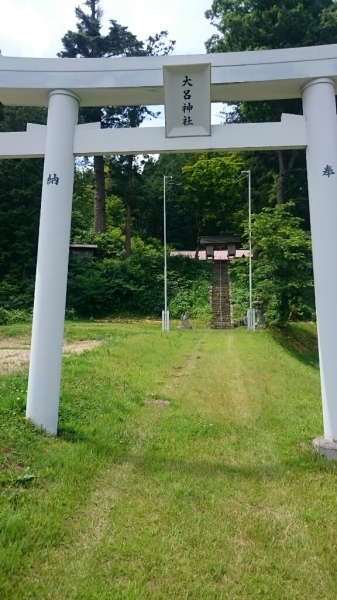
{"x": 124, "y": 173}
{"x": 267, "y": 24}
{"x": 81, "y": 219}
{"x": 212, "y": 187}
{"x": 180, "y": 221}
{"x": 282, "y": 272}
{"x": 20, "y": 199}
{"x": 88, "y": 42}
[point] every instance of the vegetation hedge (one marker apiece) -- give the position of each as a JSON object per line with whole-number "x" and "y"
{"x": 108, "y": 287}
{"x": 105, "y": 287}
{"x": 282, "y": 268}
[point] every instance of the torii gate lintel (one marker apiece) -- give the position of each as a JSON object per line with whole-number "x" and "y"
{"x": 90, "y": 140}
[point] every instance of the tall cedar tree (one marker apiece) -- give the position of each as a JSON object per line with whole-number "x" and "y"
{"x": 180, "y": 221}
{"x": 20, "y": 198}
{"x": 88, "y": 42}
{"x": 267, "y": 24}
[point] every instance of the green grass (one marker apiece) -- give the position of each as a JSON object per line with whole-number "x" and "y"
{"x": 217, "y": 495}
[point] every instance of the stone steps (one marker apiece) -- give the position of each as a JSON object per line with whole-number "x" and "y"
{"x": 219, "y": 297}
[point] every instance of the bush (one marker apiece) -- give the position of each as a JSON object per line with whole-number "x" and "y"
{"x": 109, "y": 287}
{"x": 282, "y": 272}
{"x": 17, "y": 294}
{"x": 9, "y": 317}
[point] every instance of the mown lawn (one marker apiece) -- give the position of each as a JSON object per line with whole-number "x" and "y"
{"x": 183, "y": 469}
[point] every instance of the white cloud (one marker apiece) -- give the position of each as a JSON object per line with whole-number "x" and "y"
{"x": 35, "y": 27}
{"x": 183, "y": 19}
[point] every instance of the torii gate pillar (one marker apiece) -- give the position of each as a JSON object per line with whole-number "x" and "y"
{"x": 319, "y": 108}
{"x": 52, "y": 262}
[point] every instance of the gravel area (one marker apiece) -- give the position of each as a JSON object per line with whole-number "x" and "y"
{"x": 14, "y": 352}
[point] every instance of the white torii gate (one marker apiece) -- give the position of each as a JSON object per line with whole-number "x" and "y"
{"x": 310, "y": 73}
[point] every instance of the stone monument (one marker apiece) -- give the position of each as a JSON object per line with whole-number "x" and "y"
{"x": 184, "y": 323}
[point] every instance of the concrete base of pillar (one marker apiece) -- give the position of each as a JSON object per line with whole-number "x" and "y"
{"x": 326, "y": 448}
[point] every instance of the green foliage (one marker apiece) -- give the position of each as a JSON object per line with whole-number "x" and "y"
{"x": 20, "y": 194}
{"x": 259, "y": 25}
{"x": 115, "y": 212}
{"x": 210, "y": 184}
{"x": 109, "y": 244}
{"x": 9, "y": 317}
{"x": 17, "y": 293}
{"x": 83, "y": 202}
{"x": 188, "y": 288}
{"x": 107, "y": 287}
{"x": 282, "y": 271}
{"x": 191, "y": 296}
{"x": 181, "y": 224}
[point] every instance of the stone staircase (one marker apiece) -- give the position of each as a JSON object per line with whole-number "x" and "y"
{"x": 219, "y": 296}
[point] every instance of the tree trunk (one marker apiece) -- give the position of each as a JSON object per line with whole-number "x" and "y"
{"x": 280, "y": 179}
{"x": 283, "y": 172}
{"x": 128, "y": 209}
{"x": 199, "y": 225}
{"x": 99, "y": 201}
{"x": 99, "y": 210}
{"x": 128, "y": 230}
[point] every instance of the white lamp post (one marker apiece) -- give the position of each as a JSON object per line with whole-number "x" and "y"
{"x": 165, "y": 316}
{"x": 251, "y": 311}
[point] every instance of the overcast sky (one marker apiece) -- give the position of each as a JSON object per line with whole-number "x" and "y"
{"x": 35, "y": 27}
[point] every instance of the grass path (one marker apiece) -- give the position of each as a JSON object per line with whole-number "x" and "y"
{"x": 216, "y": 495}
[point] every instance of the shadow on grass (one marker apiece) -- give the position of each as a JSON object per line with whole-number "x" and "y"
{"x": 300, "y": 340}
{"x": 71, "y": 434}
{"x": 303, "y": 461}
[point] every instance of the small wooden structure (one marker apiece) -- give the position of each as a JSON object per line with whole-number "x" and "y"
{"x": 83, "y": 250}
{"x": 220, "y": 242}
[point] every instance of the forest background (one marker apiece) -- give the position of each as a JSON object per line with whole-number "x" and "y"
{"x": 118, "y": 200}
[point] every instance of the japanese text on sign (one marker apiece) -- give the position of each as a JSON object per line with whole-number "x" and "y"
{"x": 187, "y": 95}
{"x": 187, "y": 100}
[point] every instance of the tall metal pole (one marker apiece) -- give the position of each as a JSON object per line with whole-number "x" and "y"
{"x": 165, "y": 313}
{"x": 250, "y": 242}
{"x": 251, "y": 311}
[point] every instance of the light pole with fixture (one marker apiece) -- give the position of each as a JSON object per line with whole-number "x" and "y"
{"x": 165, "y": 315}
{"x": 251, "y": 311}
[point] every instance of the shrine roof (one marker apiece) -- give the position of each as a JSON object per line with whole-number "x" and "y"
{"x": 219, "y": 240}
{"x": 218, "y": 254}
{"x": 83, "y": 246}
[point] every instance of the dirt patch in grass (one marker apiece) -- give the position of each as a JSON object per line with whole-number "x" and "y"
{"x": 13, "y": 342}
{"x": 80, "y": 346}
{"x": 14, "y": 352}
{"x": 158, "y": 402}
{"x": 126, "y": 320}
